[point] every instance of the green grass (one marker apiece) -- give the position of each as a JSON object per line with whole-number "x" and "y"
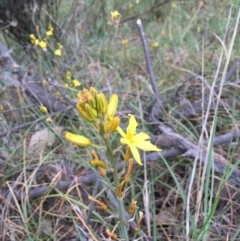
{"x": 188, "y": 34}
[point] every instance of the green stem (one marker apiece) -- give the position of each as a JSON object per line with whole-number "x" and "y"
{"x": 116, "y": 183}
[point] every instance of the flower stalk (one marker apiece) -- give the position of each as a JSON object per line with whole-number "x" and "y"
{"x": 94, "y": 108}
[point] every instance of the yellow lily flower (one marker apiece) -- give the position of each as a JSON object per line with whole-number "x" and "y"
{"x": 136, "y": 141}
{"x": 43, "y": 109}
{"x": 50, "y": 30}
{"x": 34, "y": 40}
{"x": 58, "y": 52}
{"x": 76, "y": 83}
{"x": 68, "y": 75}
{"x": 78, "y": 140}
{"x": 43, "y": 44}
{"x": 115, "y": 15}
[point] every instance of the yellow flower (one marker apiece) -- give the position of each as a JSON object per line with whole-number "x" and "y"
{"x": 76, "y": 83}
{"x": 68, "y": 75}
{"x": 60, "y": 46}
{"x": 155, "y": 44}
{"x": 43, "y": 44}
{"x": 49, "y": 119}
{"x": 43, "y": 109}
{"x": 34, "y": 40}
{"x": 57, "y": 94}
{"x": 136, "y": 141}
{"x": 50, "y": 30}
{"x": 115, "y": 15}
{"x": 174, "y": 5}
{"x": 58, "y": 52}
{"x": 78, "y": 140}
{"x": 125, "y": 42}
{"x": 198, "y": 29}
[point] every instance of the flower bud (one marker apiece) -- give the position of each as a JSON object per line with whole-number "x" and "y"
{"x": 93, "y": 92}
{"x": 78, "y": 140}
{"x": 119, "y": 189}
{"x": 113, "y": 124}
{"x": 112, "y": 106}
{"x": 90, "y": 111}
{"x": 83, "y": 113}
{"x": 102, "y": 103}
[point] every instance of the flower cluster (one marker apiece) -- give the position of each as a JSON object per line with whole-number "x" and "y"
{"x": 75, "y": 82}
{"x": 94, "y": 108}
{"x": 43, "y": 43}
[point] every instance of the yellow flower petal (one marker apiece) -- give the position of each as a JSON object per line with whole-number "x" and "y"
{"x": 132, "y": 126}
{"x": 136, "y": 141}
{"x": 141, "y": 137}
{"x": 146, "y": 146}
{"x": 121, "y": 132}
{"x": 125, "y": 141}
{"x": 78, "y": 140}
{"x": 136, "y": 154}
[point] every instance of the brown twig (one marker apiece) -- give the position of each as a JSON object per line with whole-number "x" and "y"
{"x": 152, "y": 157}
{"x": 221, "y": 165}
{"x": 149, "y": 62}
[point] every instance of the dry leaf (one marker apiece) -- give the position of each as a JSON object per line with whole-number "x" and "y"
{"x": 41, "y": 138}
